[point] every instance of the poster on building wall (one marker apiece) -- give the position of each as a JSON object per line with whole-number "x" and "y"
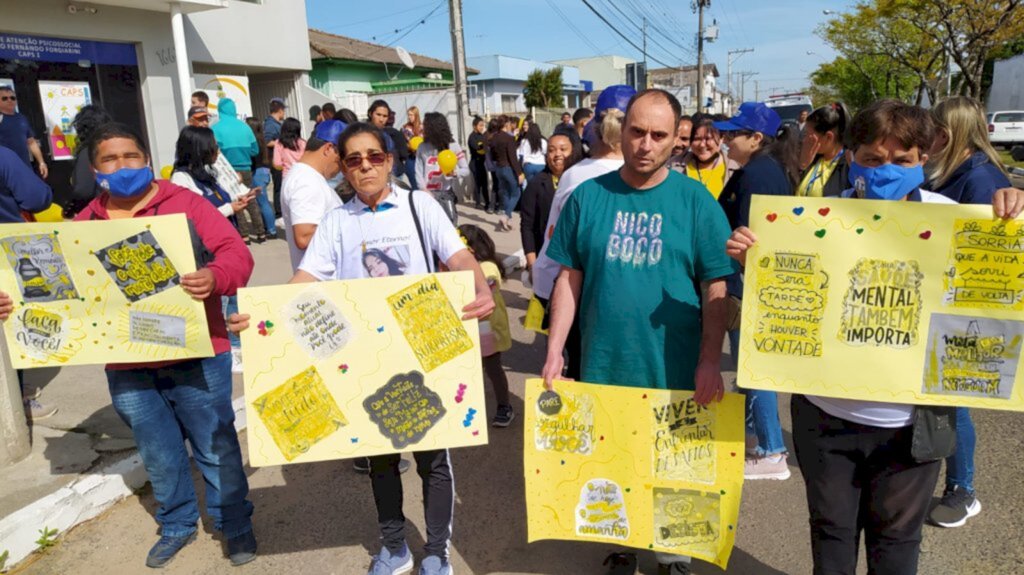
{"x": 220, "y": 87}
{"x": 61, "y": 101}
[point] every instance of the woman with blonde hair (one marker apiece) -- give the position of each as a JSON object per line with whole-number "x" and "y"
{"x": 413, "y": 127}
{"x": 965, "y": 168}
{"x": 604, "y": 136}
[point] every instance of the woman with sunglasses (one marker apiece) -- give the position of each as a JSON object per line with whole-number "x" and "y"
{"x": 705, "y": 161}
{"x": 414, "y": 227}
{"x": 768, "y": 162}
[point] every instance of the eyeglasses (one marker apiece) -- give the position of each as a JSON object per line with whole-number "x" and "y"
{"x": 8, "y": 98}
{"x": 356, "y": 160}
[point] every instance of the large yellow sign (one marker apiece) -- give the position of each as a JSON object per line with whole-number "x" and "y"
{"x": 637, "y": 467}
{"x": 342, "y": 369}
{"x": 100, "y": 292}
{"x": 900, "y": 302}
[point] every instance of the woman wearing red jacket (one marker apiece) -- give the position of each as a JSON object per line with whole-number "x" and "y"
{"x": 168, "y": 401}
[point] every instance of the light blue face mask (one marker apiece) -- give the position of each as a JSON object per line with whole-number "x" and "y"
{"x": 886, "y": 182}
{"x": 126, "y": 182}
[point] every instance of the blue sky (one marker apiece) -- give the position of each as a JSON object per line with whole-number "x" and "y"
{"x": 537, "y": 29}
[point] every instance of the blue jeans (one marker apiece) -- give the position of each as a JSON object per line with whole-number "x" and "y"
{"x": 228, "y": 306}
{"x": 508, "y": 189}
{"x": 531, "y": 170}
{"x": 164, "y": 407}
{"x": 410, "y": 172}
{"x": 960, "y": 465}
{"x": 261, "y": 179}
{"x": 762, "y": 409}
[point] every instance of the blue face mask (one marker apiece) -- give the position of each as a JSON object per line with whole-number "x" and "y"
{"x": 886, "y": 182}
{"x": 126, "y": 182}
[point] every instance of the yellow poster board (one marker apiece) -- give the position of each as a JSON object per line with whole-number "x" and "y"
{"x": 636, "y": 467}
{"x": 901, "y": 302}
{"x": 341, "y": 369}
{"x": 100, "y": 292}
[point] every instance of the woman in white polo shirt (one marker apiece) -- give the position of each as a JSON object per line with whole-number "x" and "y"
{"x": 410, "y": 229}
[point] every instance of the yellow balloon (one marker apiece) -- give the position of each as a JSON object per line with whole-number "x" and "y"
{"x": 52, "y": 214}
{"x": 414, "y": 142}
{"x": 447, "y": 160}
{"x": 165, "y": 172}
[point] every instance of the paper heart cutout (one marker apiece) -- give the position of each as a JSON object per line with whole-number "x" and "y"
{"x": 925, "y": 234}
{"x": 824, "y": 211}
{"x": 876, "y": 217}
{"x": 798, "y": 210}
{"x": 772, "y": 217}
{"x": 860, "y": 231}
{"x": 820, "y": 233}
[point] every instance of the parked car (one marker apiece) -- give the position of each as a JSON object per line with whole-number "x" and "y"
{"x": 1006, "y": 128}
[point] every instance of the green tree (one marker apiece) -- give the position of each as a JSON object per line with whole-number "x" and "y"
{"x": 543, "y": 88}
{"x": 968, "y": 30}
{"x": 858, "y": 83}
{"x": 893, "y": 58}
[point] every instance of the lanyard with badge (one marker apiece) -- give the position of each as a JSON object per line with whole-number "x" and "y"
{"x": 822, "y": 173}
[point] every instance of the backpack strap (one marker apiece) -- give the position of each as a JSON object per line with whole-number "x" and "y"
{"x": 419, "y": 232}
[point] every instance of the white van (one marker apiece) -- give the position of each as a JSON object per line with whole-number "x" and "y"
{"x": 1006, "y": 128}
{"x": 789, "y": 106}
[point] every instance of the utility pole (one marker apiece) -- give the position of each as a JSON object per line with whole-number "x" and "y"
{"x": 757, "y": 91}
{"x": 731, "y": 57}
{"x": 699, "y": 6}
{"x": 459, "y": 67}
{"x": 744, "y": 76}
{"x": 645, "y": 53}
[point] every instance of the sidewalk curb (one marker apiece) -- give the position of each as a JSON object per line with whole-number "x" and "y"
{"x": 78, "y": 501}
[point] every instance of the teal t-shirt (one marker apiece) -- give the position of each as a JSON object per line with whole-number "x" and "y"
{"x": 643, "y": 254}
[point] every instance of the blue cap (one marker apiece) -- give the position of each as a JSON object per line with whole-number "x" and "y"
{"x": 752, "y": 116}
{"x": 616, "y": 96}
{"x": 329, "y": 130}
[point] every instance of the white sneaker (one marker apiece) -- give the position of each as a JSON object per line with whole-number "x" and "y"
{"x": 236, "y": 360}
{"x": 766, "y": 467}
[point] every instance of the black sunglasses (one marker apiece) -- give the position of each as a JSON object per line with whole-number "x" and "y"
{"x": 356, "y": 160}
{"x": 8, "y": 98}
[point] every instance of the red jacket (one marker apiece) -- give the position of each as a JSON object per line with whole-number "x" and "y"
{"x": 215, "y": 244}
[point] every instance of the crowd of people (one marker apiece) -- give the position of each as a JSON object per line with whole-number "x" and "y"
{"x": 632, "y": 207}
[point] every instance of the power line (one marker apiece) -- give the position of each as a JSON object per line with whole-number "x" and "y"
{"x": 375, "y": 19}
{"x": 568, "y": 21}
{"x": 623, "y": 36}
{"x": 650, "y": 22}
{"x": 655, "y": 24}
{"x": 413, "y": 25}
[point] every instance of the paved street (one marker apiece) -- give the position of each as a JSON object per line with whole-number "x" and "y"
{"x": 319, "y": 518}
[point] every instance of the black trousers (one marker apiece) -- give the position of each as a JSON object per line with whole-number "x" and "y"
{"x": 275, "y": 176}
{"x": 435, "y": 469}
{"x": 480, "y": 175}
{"x": 861, "y": 478}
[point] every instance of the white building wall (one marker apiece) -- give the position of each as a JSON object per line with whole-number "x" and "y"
{"x": 233, "y": 36}
{"x": 150, "y": 31}
{"x": 603, "y": 71}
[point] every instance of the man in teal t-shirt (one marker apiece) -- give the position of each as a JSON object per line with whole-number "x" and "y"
{"x": 635, "y": 246}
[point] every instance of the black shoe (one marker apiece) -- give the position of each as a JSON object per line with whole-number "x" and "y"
{"x": 677, "y": 568}
{"x": 242, "y": 548}
{"x": 362, "y": 465}
{"x": 621, "y": 563}
{"x": 504, "y": 416}
{"x": 165, "y": 550}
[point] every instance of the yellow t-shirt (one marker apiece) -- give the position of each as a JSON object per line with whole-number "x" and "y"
{"x": 813, "y": 183}
{"x": 713, "y": 178}
{"x": 495, "y": 335}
